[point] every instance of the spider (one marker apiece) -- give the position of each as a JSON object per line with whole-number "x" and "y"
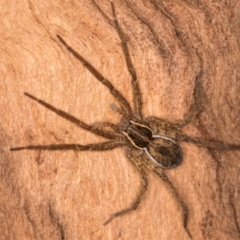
{"x": 150, "y": 143}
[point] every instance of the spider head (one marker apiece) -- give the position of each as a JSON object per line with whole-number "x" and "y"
{"x": 164, "y": 152}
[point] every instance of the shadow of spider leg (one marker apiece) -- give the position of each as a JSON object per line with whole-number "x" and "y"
{"x": 139, "y": 166}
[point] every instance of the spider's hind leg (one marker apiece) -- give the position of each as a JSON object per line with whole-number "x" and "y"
{"x": 183, "y": 205}
{"x": 143, "y": 189}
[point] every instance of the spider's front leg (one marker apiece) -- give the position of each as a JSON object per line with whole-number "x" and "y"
{"x": 109, "y": 127}
{"x": 184, "y": 207}
{"x": 137, "y": 100}
{"x": 104, "y": 146}
{"x": 144, "y": 184}
{"x": 72, "y": 119}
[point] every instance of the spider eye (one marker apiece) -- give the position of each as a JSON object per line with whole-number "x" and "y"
{"x": 167, "y": 153}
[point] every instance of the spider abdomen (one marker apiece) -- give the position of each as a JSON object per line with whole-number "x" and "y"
{"x": 166, "y": 153}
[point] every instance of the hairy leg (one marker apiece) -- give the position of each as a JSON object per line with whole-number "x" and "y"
{"x": 160, "y": 123}
{"x": 183, "y": 205}
{"x": 119, "y": 97}
{"x": 136, "y": 90}
{"x": 108, "y": 125}
{"x": 143, "y": 189}
{"x": 93, "y": 129}
{"x": 196, "y": 106}
{"x": 76, "y": 147}
{"x": 194, "y": 110}
{"x": 207, "y": 143}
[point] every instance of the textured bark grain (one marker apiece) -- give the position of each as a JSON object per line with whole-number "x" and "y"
{"x": 68, "y": 195}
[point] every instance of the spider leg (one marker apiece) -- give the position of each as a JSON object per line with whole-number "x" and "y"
{"x": 93, "y": 129}
{"x": 160, "y": 123}
{"x": 196, "y": 106}
{"x": 119, "y": 97}
{"x": 143, "y": 189}
{"x": 77, "y": 147}
{"x": 194, "y": 110}
{"x": 120, "y": 111}
{"x": 207, "y": 143}
{"x": 136, "y": 90}
{"x": 183, "y": 205}
{"x": 101, "y": 125}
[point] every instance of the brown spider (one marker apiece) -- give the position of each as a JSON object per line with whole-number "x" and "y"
{"x": 150, "y": 143}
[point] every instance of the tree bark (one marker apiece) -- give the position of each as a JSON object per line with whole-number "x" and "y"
{"x": 67, "y": 194}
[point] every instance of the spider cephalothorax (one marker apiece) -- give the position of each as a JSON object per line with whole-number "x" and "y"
{"x": 162, "y": 150}
{"x": 151, "y": 143}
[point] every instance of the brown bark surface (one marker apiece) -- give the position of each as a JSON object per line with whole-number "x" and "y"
{"x": 67, "y": 194}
